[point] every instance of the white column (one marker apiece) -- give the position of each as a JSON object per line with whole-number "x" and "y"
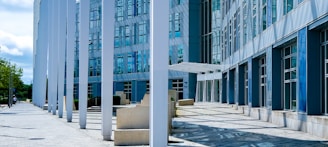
{"x": 61, "y": 54}
{"x": 50, "y": 55}
{"x": 212, "y": 91}
{"x": 71, "y": 11}
{"x": 83, "y": 61}
{"x": 108, "y": 18}
{"x": 197, "y": 92}
{"x": 159, "y": 48}
{"x": 43, "y": 53}
{"x": 55, "y": 58}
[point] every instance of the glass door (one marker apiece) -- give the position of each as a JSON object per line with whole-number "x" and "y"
{"x": 289, "y": 76}
{"x": 262, "y": 70}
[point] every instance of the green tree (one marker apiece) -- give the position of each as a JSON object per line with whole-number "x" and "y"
{"x": 7, "y": 69}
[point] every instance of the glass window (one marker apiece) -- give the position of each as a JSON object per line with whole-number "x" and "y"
{"x": 146, "y": 6}
{"x": 117, "y": 41}
{"x": 131, "y": 64}
{"x": 177, "y": 24}
{"x": 141, "y": 31}
{"x": 288, "y": 6}
{"x": 264, "y": 15}
{"x": 287, "y": 75}
{"x": 294, "y": 95}
{"x": 170, "y": 55}
{"x": 290, "y": 77}
{"x": 119, "y": 10}
{"x": 294, "y": 49}
{"x": 180, "y": 53}
{"x": 287, "y": 63}
{"x": 254, "y": 28}
{"x": 287, "y": 51}
{"x": 274, "y": 11}
{"x": 245, "y": 21}
{"x": 120, "y": 65}
{"x": 293, "y": 62}
{"x": 293, "y": 74}
{"x": 139, "y": 61}
{"x": 139, "y": 7}
{"x": 287, "y": 96}
{"x": 170, "y": 26}
{"x": 130, "y": 8}
{"x": 327, "y": 51}
{"x": 146, "y": 61}
{"x": 127, "y": 36}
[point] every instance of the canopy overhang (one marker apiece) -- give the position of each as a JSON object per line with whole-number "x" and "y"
{"x": 192, "y": 67}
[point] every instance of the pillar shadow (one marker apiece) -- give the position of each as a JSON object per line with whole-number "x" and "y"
{"x": 216, "y": 136}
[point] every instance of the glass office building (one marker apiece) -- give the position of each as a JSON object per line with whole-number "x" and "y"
{"x": 131, "y": 47}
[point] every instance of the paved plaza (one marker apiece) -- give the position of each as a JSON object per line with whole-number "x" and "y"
{"x": 205, "y": 124}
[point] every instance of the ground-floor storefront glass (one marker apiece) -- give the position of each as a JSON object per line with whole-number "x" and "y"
{"x": 289, "y": 56}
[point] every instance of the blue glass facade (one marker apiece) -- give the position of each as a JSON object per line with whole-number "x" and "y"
{"x": 131, "y": 47}
{"x": 284, "y": 60}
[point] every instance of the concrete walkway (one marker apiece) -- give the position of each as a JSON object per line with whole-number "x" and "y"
{"x": 26, "y": 125}
{"x": 214, "y": 124}
{"x": 205, "y": 124}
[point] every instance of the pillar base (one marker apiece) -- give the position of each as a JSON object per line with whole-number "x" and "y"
{"x": 107, "y": 138}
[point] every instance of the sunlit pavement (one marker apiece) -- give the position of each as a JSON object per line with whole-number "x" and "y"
{"x": 214, "y": 124}
{"x": 205, "y": 124}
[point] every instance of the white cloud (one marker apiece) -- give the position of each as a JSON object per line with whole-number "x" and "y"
{"x": 12, "y": 51}
{"x": 15, "y": 45}
{"x": 18, "y": 3}
{"x": 17, "y": 22}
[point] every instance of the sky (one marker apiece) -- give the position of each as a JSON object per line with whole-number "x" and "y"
{"x": 16, "y": 35}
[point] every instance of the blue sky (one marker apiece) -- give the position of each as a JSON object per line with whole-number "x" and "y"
{"x": 16, "y": 34}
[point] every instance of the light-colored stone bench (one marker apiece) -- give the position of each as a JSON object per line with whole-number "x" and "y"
{"x": 133, "y": 118}
{"x": 131, "y": 137}
{"x": 133, "y": 123}
{"x": 186, "y": 102}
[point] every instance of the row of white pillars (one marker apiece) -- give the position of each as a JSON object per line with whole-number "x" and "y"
{"x": 61, "y": 13}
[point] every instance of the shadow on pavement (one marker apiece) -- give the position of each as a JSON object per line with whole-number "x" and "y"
{"x": 211, "y": 136}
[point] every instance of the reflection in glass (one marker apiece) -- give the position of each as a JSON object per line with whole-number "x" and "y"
{"x": 287, "y": 96}
{"x": 287, "y": 63}
{"x": 294, "y": 95}
{"x": 293, "y": 61}
{"x": 287, "y": 75}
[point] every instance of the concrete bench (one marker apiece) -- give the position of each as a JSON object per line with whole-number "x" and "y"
{"x": 186, "y": 102}
{"x": 133, "y": 118}
{"x": 131, "y": 137}
{"x": 133, "y": 123}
